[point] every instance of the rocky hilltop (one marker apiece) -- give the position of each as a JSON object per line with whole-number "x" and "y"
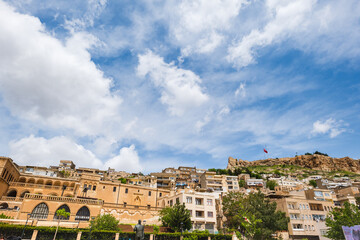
{"x": 315, "y": 162}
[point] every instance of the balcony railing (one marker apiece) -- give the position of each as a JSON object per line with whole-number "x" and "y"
{"x": 127, "y": 206}
{"x": 11, "y": 199}
{"x": 64, "y": 199}
{"x": 32, "y": 185}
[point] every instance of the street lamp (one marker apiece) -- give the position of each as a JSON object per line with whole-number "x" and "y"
{"x": 181, "y": 228}
{"x": 27, "y": 219}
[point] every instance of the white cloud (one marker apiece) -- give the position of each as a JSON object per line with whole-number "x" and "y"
{"x": 241, "y": 91}
{"x": 199, "y": 26}
{"x": 289, "y": 16}
{"x": 40, "y": 151}
{"x": 127, "y": 160}
{"x": 49, "y": 83}
{"x": 331, "y": 126}
{"x": 180, "y": 89}
{"x": 45, "y": 152}
{"x": 94, "y": 9}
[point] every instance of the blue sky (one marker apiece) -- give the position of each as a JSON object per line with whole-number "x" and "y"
{"x": 144, "y": 85}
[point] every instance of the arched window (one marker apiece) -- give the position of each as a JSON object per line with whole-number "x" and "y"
{"x": 41, "y": 211}
{"x": 83, "y": 214}
{"x": 23, "y": 194}
{"x": 66, "y": 208}
{"x": 22, "y": 179}
{"x": 4, "y": 206}
{"x": 12, "y": 193}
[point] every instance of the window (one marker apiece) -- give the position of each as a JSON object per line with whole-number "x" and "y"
{"x": 85, "y": 185}
{"x": 188, "y": 199}
{"x": 94, "y": 188}
{"x": 114, "y": 189}
{"x": 126, "y": 190}
{"x": 198, "y": 201}
{"x": 298, "y": 227}
{"x": 171, "y": 203}
{"x": 313, "y": 228}
{"x": 177, "y": 200}
{"x": 306, "y": 227}
{"x": 66, "y": 208}
{"x": 160, "y": 194}
{"x": 199, "y": 214}
{"x": 209, "y": 202}
{"x": 149, "y": 193}
{"x": 125, "y": 204}
{"x": 90, "y": 187}
{"x": 323, "y": 232}
{"x": 41, "y": 211}
{"x": 210, "y": 214}
{"x": 83, "y": 214}
{"x": 190, "y": 213}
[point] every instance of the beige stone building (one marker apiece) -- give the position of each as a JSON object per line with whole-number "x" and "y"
{"x": 307, "y": 210}
{"x": 202, "y": 208}
{"x": 84, "y": 195}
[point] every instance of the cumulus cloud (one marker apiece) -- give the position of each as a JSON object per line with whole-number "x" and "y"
{"x": 180, "y": 89}
{"x": 288, "y": 16}
{"x": 199, "y": 26}
{"x": 40, "y": 151}
{"x": 331, "y": 126}
{"x": 51, "y": 83}
{"x": 127, "y": 159}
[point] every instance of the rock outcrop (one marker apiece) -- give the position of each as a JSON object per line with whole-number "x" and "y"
{"x": 315, "y": 162}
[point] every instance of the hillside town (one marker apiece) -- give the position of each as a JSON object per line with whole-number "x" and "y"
{"x": 35, "y": 193}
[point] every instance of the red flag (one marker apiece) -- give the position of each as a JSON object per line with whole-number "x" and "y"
{"x": 265, "y": 150}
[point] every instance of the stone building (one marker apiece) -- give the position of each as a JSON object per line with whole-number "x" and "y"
{"x": 202, "y": 208}
{"x": 84, "y": 194}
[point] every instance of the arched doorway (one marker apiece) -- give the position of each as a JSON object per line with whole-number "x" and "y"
{"x": 41, "y": 211}
{"x": 66, "y": 208}
{"x": 83, "y": 214}
{"x": 22, "y": 180}
{"x": 40, "y": 182}
{"x": 12, "y": 193}
{"x": 31, "y": 180}
{"x": 23, "y": 194}
{"x": 4, "y": 206}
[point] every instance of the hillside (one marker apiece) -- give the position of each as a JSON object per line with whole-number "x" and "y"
{"x": 304, "y": 164}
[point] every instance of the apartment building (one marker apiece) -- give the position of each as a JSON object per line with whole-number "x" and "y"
{"x": 201, "y": 206}
{"x": 254, "y": 183}
{"x": 307, "y": 210}
{"x": 211, "y": 181}
{"x": 231, "y": 183}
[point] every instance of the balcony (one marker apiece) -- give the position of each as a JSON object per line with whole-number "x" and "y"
{"x": 11, "y": 199}
{"x": 32, "y": 185}
{"x": 64, "y": 199}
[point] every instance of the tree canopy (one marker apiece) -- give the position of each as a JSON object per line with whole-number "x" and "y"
{"x": 253, "y": 215}
{"x": 348, "y": 216}
{"x": 271, "y": 184}
{"x": 173, "y": 217}
{"x": 105, "y": 222}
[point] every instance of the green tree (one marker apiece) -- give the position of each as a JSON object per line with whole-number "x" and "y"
{"x": 271, "y": 184}
{"x": 313, "y": 183}
{"x": 242, "y": 183}
{"x": 105, "y": 222}
{"x": 176, "y": 217}
{"x": 255, "y": 216}
{"x": 122, "y": 180}
{"x": 348, "y": 216}
{"x": 61, "y": 213}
